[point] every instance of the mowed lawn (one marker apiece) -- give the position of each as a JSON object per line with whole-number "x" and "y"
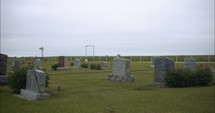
{"x": 89, "y": 91}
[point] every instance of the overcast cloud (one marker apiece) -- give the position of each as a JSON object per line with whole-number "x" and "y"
{"x": 126, "y": 27}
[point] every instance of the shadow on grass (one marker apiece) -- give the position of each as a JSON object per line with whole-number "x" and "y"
{"x": 144, "y": 87}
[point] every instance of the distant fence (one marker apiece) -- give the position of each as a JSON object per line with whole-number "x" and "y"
{"x": 198, "y": 58}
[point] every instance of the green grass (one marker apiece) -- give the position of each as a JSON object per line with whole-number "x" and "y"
{"x": 89, "y": 91}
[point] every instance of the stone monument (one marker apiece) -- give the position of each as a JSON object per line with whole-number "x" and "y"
{"x": 189, "y": 63}
{"x": 77, "y": 63}
{"x": 162, "y": 66}
{"x": 104, "y": 65}
{"x": 35, "y": 85}
{"x": 63, "y": 63}
{"x": 3, "y": 64}
{"x": 120, "y": 71}
{"x": 15, "y": 64}
{"x": 37, "y": 64}
{"x": 3, "y": 69}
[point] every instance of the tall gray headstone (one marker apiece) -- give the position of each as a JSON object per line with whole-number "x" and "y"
{"x": 121, "y": 71}
{"x": 35, "y": 85}
{"x": 189, "y": 63}
{"x": 162, "y": 66}
{"x": 77, "y": 63}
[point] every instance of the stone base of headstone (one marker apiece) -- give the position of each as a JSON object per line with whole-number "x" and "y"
{"x": 128, "y": 78}
{"x": 29, "y": 95}
{"x": 3, "y": 80}
{"x": 62, "y": 68}
{"x": 159, "y": 84}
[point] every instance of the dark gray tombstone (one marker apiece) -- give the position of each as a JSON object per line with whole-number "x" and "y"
{"x": 121, "y": 71}
{"x": 3, "y": 69}
{"x": 77, "y": 63}
{"x": 189, "y": 63}
{"x": 162, "y": 66}
{"x": 3, "y": 64}
{"x": 35, "y": 85}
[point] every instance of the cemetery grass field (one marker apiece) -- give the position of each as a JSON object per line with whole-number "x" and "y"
{"x": 89, "y": 91}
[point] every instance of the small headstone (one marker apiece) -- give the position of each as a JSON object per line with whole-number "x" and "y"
{"x": 189, "y": 63}
{"x": 77, "y": 63}
{"x": 212, "y": 70}
{"x": 162, "y": 66}
{"x": 104, "y": 65}
{"x": 86, "y": 60}
{"x": 15, "y": 64}
{"x": 120, "y": 71}
{"x": 35, "y": 85}
{"x": 37, "y": 64}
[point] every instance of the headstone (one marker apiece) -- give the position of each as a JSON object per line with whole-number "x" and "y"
{"x": 86, "y": 60}
{"x": 77, "y": 63}
{"x": 37, "y": 64}
{"x": 15, "y": 64}
{"x": 35, "y": 85}
{"x": 162, "y": 66}
{"x": 104, "y": 65}
{"x": 189, "y": 63}
{"x": 212, "y": 70}
{"x": 120, "y": 71}
{"x": 3, "y": 69}
{"x": 63, "y": 63}
{"x": 3, "y": 64}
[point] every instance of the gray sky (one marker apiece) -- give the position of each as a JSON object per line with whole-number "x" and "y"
{"x": 126, "y": 27}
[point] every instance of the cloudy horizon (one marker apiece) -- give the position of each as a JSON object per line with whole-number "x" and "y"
{"x": 125, "y": 27}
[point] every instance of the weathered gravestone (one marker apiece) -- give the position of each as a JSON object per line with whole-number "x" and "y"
{"x": 15, "y": 64}
{"x": 35, "y": 85}
{"x": 212, "y": 70}
{"x": 104, "y": 65}
{"x": 189, "y": 63}
{"x": 3, "y": 69}
{"x": 37, "y": 63}
{"x": 121, "y": 71}
{"x": 63, "y": 63}
{"x": 162, "y": 66}
{"x": 77, "y": 63}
